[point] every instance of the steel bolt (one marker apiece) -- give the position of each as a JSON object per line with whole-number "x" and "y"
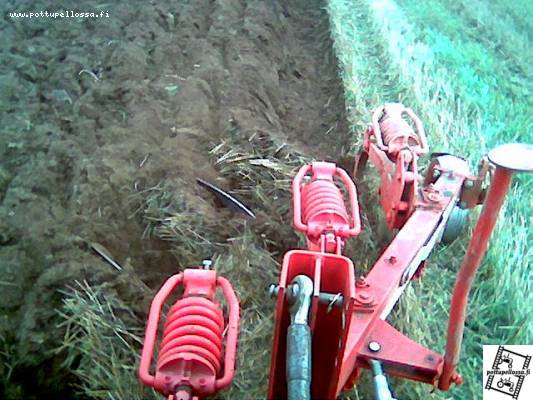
{"x": 207, "y": 264}
{"x": 469, "y": 183}
{"x": 292, "y": 293}
{"x": 361, "y": 282}
{"x": 273, "y": 290}
{"x": 374, "y": 346}
{"x": 436, "y": 173}
{"x": 434, "y": 197}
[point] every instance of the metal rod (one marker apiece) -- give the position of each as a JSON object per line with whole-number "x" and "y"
{"x": 299, "y": 341}
{"x": 381, "y": 386}
{"x": 474, "y": 254}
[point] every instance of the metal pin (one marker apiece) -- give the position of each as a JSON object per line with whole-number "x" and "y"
{"x": 273, "y": 290}
{"x": 207, "y": 264}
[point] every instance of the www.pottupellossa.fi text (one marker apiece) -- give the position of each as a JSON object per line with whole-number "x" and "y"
{"x": 59, "y": 14}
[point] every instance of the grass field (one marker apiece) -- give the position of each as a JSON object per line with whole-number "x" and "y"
{"x": 463, "y": 67}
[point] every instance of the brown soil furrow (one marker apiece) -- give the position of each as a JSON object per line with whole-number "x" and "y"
{"x": 165, "y": 82}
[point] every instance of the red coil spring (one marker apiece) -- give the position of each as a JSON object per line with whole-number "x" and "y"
{"x": 396, "y": 128}
{"x": 194, "y": 325}
{"x": 320, "y": 200}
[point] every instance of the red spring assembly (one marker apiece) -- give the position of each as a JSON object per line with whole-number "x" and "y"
{"x": 319, "y": 209}
{"x": 323, "y": 197}
{"x": 193, "y": 330}
{"x": 192, "y": 360}
{"x": 393, "y": 133}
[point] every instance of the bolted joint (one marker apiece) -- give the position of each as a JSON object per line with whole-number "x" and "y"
{"x": 207, "y": 264}
{"x": 273, "y": 290}
{"x": 299, "y": 295}
{"x": 364, "y": 298}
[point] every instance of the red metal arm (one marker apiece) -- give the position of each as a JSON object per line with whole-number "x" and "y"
{"x": 383, "y": 286}
{"x": 232, "y": 334}
{"x": 508, "y": 159}
{"x": 474, "y": 254}
{"x": 151, "y": 328}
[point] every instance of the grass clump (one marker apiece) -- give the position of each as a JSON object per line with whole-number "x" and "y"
{"x": 247, "y": 263}
{"x": 183, "y": 220}
{"x": 102, "y": 341}
{"x": 260, "y": 170}
{"x": 261, "y": 165}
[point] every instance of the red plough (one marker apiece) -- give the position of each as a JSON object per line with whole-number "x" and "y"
{"x": 330, "y": 321}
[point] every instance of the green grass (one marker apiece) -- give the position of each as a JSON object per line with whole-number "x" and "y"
{"x": 485, "y": 60}
{"x": 471, "y": 97}
{"x": 101, "y": 341}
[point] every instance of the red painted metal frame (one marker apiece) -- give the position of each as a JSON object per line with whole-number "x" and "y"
{"x": 341, "y": 336}
{"x": 330, "y": 273}
{"x": 320, "y": 213}
{"x": 387, "y": 279}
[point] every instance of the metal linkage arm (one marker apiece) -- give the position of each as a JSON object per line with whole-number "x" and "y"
{"x": 299, "y": 340}
{"x": 381, "y": 387}
{"x": 509, "y": 158}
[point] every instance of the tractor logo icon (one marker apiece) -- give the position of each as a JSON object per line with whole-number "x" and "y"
{"x": 506, "y": 382}
{"x": 506, "y": 359}
{"x": 506, "y": 375}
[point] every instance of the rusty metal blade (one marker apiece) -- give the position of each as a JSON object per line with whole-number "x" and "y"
{"x": 227, "y": 199}
{"x": 104, "y": 253}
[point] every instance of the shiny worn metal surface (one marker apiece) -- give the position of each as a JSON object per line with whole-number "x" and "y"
{"x": 513, "y": 156}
